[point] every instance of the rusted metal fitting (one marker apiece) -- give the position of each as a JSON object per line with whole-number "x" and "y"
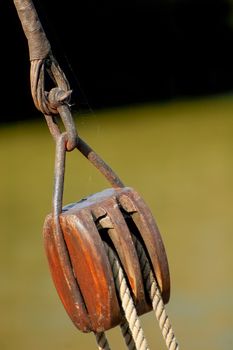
{"x": 59, "y": 101}
{"x": 58, "y": 97}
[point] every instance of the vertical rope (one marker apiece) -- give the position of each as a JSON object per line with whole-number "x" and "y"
{"x": 102, "y": 341}
{"x": 127, "y": 301}
{"x": 156, "y": 298}
{"x": 125, "y": 330}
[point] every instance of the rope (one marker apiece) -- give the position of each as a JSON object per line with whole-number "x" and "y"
{"x": 127, "y": 336}
{"x": 127, "y": 304}
{"x": 130, "y": 327}
{"x": 102, "y": 341}
{"x": 156, "y": 298}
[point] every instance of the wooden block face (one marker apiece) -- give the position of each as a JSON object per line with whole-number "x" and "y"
{"x": 63, "y": 277}
{"x": 91, "y": 269}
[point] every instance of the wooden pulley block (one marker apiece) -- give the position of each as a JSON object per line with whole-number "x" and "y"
{"x": 79, "y": 263}
{"x": 74, "y": 239}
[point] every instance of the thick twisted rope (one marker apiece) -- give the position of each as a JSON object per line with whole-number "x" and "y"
{"x": 130, "y": 327}
{"x": 127, "y": 304}
{"x": 102, "y": 341}
{"x": 155, "y": 297}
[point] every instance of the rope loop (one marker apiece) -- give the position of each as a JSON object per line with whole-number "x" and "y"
{"x": 55, "y": 102}
{"x": 48, "y": 102}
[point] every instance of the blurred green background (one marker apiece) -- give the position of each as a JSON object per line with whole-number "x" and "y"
{"x": 178, "y": 155}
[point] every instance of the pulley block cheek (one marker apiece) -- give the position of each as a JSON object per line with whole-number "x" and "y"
{"x": 63, "y": 277}
{"x": 141, "y": 222}
{"x": 91, "y": 269}
{"x": 96, "y": 299}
